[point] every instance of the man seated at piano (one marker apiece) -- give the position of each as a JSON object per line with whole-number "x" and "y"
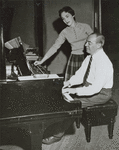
{"x": 95, "y": 75}
{"x": 91, "y": 84}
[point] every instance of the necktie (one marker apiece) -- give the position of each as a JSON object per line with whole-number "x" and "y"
{"x": 87, "y": 71}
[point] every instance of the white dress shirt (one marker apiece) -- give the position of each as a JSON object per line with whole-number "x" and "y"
{"x": 100, "y": 75}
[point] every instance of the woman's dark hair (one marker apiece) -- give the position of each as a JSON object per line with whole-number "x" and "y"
{"x": 67, "y": 9}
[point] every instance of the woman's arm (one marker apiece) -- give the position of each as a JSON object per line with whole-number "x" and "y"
{"x": 60, "y": 40}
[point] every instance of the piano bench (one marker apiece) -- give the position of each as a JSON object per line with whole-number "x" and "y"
{"x": 102, "y": 114}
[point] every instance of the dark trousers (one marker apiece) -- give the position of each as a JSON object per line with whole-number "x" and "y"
{"x": 102, "y": 97}
{"x": 58, "y": 127}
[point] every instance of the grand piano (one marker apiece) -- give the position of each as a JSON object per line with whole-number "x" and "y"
{"x": 29, "y": 105}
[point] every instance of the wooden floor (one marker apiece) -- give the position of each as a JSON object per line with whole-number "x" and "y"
{"x": 77, "y": 141}
{"x": 99, "y": 140}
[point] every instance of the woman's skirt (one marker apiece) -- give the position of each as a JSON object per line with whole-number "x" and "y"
{"x": 74, "y": 63}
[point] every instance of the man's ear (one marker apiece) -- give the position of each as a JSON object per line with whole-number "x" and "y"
{"x": 99, "y": 45}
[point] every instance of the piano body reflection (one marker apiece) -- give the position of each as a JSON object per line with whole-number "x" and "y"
{"x": 29, "y": 105}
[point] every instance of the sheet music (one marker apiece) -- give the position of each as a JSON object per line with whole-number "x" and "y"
{"x": 38, "y": 76}
{"x": 13, "y": 43}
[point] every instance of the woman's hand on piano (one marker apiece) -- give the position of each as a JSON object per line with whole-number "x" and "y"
{"x": 37, "y": 63}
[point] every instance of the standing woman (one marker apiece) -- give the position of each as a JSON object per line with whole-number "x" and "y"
{"x": 75, "y": 33}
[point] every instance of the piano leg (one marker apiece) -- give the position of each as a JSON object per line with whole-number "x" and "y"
{"x": 36, "y": 133}
{"x": 36, "y": 141}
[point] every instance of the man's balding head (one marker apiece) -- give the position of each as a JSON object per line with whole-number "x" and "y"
{"x": 94, "y": 42}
